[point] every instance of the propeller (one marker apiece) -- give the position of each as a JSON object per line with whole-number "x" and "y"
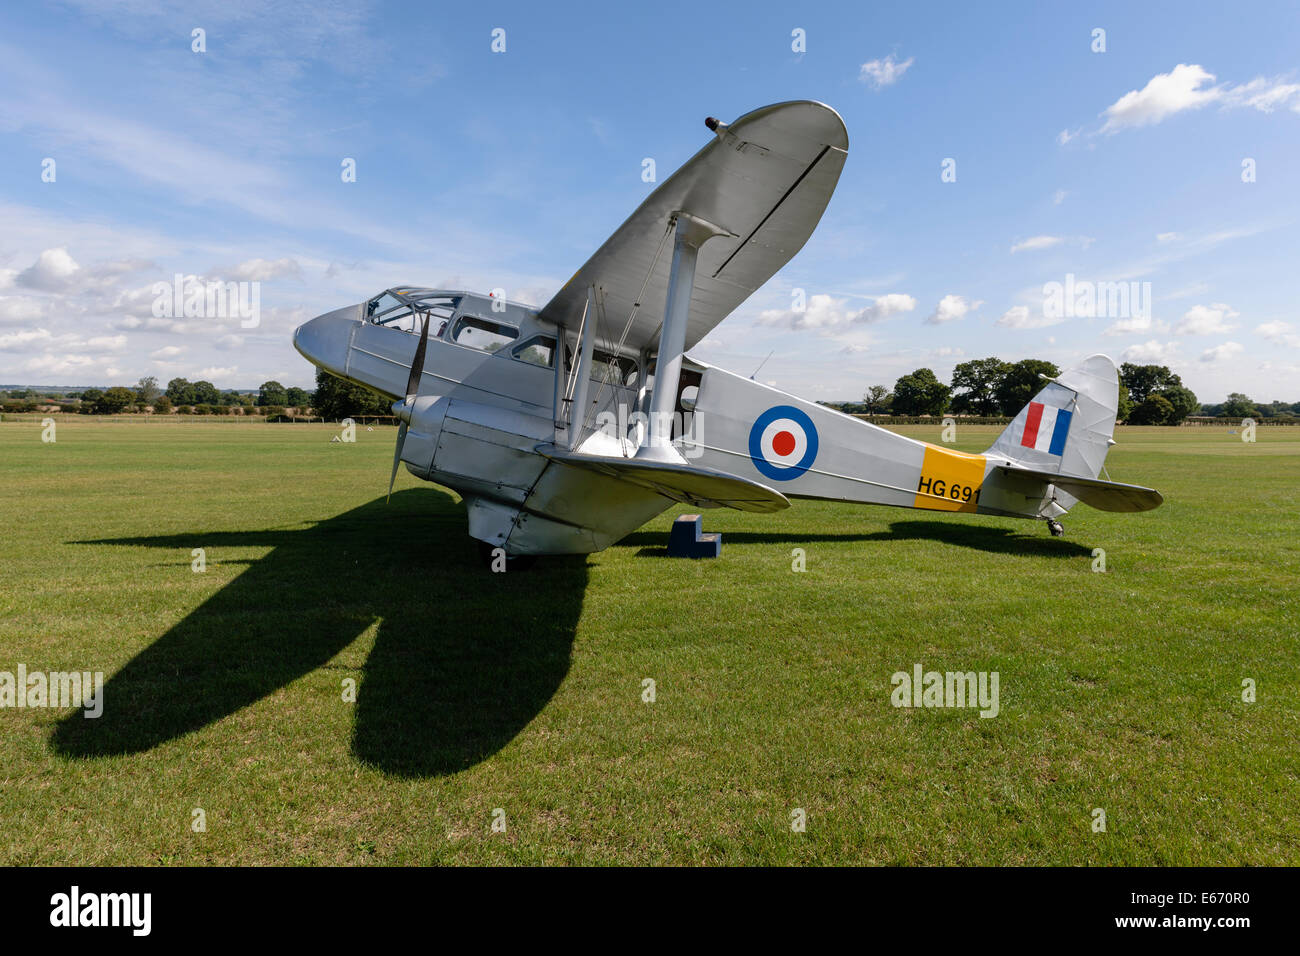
{"x": 403, "y": 408}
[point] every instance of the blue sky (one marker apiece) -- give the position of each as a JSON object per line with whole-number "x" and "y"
{"x": 479, "y": 170}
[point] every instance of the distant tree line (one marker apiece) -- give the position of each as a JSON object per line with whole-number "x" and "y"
{"x": 333, "y": 399}
{"x": 180, "y": 395}
{"x": 1240, "y": 406}
{"x": 990, "y": 387}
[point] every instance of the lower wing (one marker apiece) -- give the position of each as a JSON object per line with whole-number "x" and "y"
{"x": 686, "y": 483}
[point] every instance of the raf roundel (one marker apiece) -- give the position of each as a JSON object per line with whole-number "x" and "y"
{"x": 783, "y": 443}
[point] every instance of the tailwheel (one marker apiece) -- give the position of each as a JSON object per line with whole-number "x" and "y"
{"x": 1055, "y": 527}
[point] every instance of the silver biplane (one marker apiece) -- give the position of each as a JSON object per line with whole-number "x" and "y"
{"x": 567, "y": 427}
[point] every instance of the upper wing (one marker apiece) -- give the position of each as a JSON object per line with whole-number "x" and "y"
{"x": 766, "y": 178}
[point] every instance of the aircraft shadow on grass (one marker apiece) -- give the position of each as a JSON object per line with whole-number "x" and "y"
{"x": 463, "y": 658}
{"x": 977, "y": 536}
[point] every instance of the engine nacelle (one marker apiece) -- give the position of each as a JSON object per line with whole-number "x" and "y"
{"x": 423, "y": 432}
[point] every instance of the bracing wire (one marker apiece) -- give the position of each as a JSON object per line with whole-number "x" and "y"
{"x": 611, "y": 367}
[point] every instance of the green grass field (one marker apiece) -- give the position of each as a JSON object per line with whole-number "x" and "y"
{"x": 523, "y": 691}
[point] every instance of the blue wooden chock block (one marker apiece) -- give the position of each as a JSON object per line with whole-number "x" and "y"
{"x": 688, "y": 540}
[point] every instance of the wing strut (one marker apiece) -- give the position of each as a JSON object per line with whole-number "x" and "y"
{"x": 561, "y": 390}
{"x": 690, "y": 233}
{"x": 587, "y": 341}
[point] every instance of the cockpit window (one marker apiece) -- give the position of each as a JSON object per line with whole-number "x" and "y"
{"x": 385, "y": 303}
{"x": 481, "y": 334}
{"x": 407, "y": 307}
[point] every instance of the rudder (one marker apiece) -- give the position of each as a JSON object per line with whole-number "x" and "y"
{"x": 1068, "y": 427}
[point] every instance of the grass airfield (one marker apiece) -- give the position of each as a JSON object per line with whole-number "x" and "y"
{"x": 522, "y": 692}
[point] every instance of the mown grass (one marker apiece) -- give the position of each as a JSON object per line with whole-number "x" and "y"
{"x": 1119, "y": 690}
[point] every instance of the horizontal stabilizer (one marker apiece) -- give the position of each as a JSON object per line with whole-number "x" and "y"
{"x": 686, "y": 483}
{"x": 1102, "y": 495}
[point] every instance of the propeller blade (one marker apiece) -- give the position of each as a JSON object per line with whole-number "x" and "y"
{"x": 417, "y": 365}
{"x": 397, "y": 460}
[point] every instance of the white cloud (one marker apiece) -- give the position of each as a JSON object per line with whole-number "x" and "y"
{"x": 212, "y": 373}
{"x": 1167, "y": 236}
{"x": 1150, "y": 352}
{"x": 286, "y": 318}
{"x": 826, "y": 313}
{"x": 1181, "y": 89}
{"x": 167, "y": 352}
{"x": 1019, "y": 317}
{"x": 132, "y": 323}
{"x": 1065, "y": 135}
{"x": 1264, "y": 95}
{"x": 1206, "y": 320}
{"x": 885, "y": 306}
{"x": 67, "y": 343}
{"x": 1136, "y": 325}
{"x": 1058, "y": 197}
{"x": 1187, "y": 87}
{"x": 1037, "y": 242}
{"x": 15, "y": 309}
{"x": 951, "y": 307}
{"x": 59, "y": 364}
{"x": 51, "y": 272}
{"x": 820, "y": 312}
{"x": 1281, "y": 333}
{"x": 1221, "y": 352}
{"x": 100, "y": 343}
{"x": 262, "y": 270}
{"x": 886, "y": 72}
{"x": 14, "y": 340}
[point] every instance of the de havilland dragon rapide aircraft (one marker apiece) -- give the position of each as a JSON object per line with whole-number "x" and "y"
{"x": 567, "y": 427}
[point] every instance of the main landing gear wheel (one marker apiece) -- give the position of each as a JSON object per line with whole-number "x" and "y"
{"x": 1055, "y": 527}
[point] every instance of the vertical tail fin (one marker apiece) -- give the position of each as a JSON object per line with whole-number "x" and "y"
{"x": 1067, "y": 428}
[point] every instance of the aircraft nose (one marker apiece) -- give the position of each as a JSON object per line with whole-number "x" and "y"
{"x": 324, "y": 341}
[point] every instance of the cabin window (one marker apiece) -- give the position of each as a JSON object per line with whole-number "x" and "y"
{"x": 537, "y": 351}
{"x": 481, "y": 334}
{"x": 615, "y": 369}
